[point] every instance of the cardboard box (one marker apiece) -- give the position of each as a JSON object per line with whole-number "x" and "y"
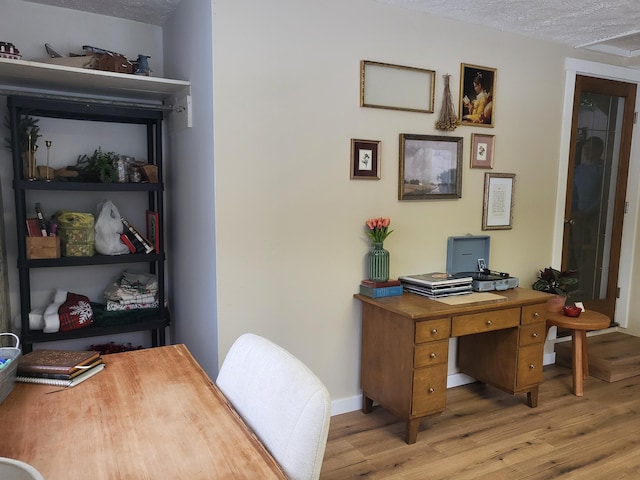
{"x": 84, "y": 61}
{"x": 43, "y": 247}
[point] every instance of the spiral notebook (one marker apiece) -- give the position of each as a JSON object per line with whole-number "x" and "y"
{"x": 62, "y": 383}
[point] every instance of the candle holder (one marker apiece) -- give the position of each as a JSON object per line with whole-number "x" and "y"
{"x": 30, "y": 159}
{"x": 48, "y": 144}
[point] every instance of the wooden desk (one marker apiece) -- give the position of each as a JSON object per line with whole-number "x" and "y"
{"x": 405, "y": 348}
{"x": 151, "y": 414}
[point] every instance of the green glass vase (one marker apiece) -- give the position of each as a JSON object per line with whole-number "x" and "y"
{"x": 378, "y": 263}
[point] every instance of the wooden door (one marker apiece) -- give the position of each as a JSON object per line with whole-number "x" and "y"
{"x": 603, "y": 114}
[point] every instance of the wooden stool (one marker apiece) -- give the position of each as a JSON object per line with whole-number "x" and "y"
{"x": 579, "y": 326}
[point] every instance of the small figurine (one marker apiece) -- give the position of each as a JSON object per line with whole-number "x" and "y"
{"x": 142, "y": 65}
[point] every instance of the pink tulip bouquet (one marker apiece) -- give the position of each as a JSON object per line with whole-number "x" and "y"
{"x": 378, "y": 229}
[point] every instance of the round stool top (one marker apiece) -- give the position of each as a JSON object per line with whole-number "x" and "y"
{"x": 588, "y": 320}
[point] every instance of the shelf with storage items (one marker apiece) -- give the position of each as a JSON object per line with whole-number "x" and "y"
{"x": 24, "y": 75}
{"x": 139, "y": 196}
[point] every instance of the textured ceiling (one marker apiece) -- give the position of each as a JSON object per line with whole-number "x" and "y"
{"x": 154, "y": 12}
{"x": 578, "y": 23}
{"x": 610, "y": 26}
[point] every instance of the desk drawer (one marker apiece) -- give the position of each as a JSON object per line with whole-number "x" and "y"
{"x": 429, "y": 390}
{"x": 534, "y": 313}
{"x": 485, "y": 322}
{"x": 430, "y": 330}
{"x": 431, "y": 353}
{"x": 532, "y": 333}
{"x": 530, "y": 365}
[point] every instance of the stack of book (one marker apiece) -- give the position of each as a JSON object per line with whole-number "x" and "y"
{"x": 134, "y": 240}
{"x": 437, "y": 284}
{"x": 373, "y": 289}
{"x": 63, "y": 368}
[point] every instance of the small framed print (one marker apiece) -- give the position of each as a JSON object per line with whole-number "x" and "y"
{"x": 153, "y": 229}
{"x": 482, "y": 150}
{"x": 497, "y": 208}
{"x": 365, "y": 159}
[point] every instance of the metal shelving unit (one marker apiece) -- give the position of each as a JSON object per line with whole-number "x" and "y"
{"x": 19, "y": 106}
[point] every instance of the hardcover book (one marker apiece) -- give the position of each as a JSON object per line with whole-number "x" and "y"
{"x": 376, "y": 284}
{"x": 127, "y": 242}
{"x": 63, "y": 376}
{"x": 55, "y": 361}
{"x": 381, "y": 292}
{"x": 148, "y": 246}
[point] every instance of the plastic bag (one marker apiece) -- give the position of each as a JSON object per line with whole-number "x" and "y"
{"x": 108, "y": 228}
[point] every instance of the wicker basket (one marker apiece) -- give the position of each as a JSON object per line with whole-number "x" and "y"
{"x": 8, "y": 373}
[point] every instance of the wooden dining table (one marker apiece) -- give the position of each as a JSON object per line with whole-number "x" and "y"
{"x": 150, "y": 414}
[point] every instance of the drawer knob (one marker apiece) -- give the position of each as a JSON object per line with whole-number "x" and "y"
{"x": 536, "y": 314}
{"x": 433, "y": 355}
{"x": 434, "y": 331}
{"x": 431, "y": 390}
{"x": 532, "y": 366}
{"x": 489, "y": 323}
{"x": 534, "y": 335}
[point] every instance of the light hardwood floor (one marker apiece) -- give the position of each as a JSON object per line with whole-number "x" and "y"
{"x": 487, "y": 434}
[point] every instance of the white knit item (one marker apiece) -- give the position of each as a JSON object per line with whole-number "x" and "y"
{"x": 51, "y": 317}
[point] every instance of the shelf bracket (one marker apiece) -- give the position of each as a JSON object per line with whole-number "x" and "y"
{"x": 181, "y": 116}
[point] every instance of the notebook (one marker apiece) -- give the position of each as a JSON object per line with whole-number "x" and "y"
{"x": 62, "y": 383}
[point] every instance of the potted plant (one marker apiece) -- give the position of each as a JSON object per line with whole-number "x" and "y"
{"x": 563, "y": 284}
{"x": 99, "y": 167}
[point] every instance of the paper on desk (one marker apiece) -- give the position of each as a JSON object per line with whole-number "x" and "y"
{"x": 471, "y": 298}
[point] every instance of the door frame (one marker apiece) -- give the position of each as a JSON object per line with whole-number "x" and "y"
{"x": 575, "y": 67}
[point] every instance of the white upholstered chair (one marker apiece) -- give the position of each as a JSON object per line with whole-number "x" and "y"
{"x": 282, "y": 400}
{"x": 12, "y": 469}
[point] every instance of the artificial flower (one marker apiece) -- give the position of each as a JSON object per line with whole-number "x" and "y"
{"x": 378, "y": 229}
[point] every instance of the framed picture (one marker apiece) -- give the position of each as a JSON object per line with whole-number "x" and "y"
{"x": 383, "y": 85}
{"x": 430, "y": 167}
{"x": 482, "y": 150}
{"x": 153, "y": 229}
{"x": 497, "y": 208}
{"x": 477, "y": 95}
{"x": 365, "y": 159}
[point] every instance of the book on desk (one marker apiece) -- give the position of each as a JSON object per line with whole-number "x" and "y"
{"x": 374, "y": 289}
{"x": 64, "y": 368}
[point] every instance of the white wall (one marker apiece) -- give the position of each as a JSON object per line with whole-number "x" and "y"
{"x": 190, "y": 189}
{"x": 291, "y": 244}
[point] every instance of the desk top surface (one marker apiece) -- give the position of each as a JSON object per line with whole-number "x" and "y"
{"x": 421, "y": 308}
{"x": 150, "y": 414}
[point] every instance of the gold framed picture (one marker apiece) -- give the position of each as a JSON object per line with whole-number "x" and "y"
{"x": 430, "y": 167}
{"x": 497, "y": 208}
{"x": 395, "y": 87}
{"x": 477, "y": 95}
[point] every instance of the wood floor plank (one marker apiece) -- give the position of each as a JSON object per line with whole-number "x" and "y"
{"x": 486, "y": 433}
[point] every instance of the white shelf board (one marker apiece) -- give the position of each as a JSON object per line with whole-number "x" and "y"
{"x": 23, "y": 75}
